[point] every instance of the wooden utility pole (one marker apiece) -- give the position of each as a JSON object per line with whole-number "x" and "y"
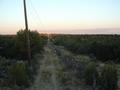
{"x": 27, "y": 34}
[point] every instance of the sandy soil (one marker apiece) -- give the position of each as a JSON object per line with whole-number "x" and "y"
{"x": 50, "y": 82}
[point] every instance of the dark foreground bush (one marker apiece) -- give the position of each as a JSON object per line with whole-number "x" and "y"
{"x": 14, "y": 46}
{"x": 91, "y": 75}
{"x": 37, "y": 43}
{"x": 18, "y": 76}
{"x": 108, "y": 78}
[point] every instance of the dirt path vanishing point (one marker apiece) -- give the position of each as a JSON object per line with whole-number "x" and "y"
{"x": 47, "y": 74}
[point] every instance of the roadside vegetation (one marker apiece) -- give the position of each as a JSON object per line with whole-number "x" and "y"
{"x": 14, "y": 70}
{"x": 70, "y": 62}
{"x": 92, "y": 63}
{"x": 101, "y": 47}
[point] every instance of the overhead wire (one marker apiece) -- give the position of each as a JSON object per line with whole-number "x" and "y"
{"x": 37, "y": 15}
{"x": 32, "y": 18}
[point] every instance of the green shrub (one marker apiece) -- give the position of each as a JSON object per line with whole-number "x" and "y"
{"x": 102, "y": 47}
{"x": 63, "y": 76}
{"x": 18, "y": 76}
{"x": 91, "y": 74}
{"x": 7, "y": 44}
{"x": 37, "y": 43}
{"x": 108, "y": 78}
{"x": 46, "y": 74}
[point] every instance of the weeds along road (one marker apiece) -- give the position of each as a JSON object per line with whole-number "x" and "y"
{"x": 47, "y": 74}
{"x": 51, "y": 71}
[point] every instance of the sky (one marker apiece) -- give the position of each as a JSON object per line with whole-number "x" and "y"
{"x": 61, "y": 16}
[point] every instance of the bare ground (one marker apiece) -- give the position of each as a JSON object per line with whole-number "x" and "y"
{"x": 47, "y": 78}
{"x": 47, "y": 74}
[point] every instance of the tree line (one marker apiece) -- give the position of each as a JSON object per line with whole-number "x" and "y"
{"x": 14, "y": 71}
{"x": 14, "y": 46}
{"x": 101, "y": 47}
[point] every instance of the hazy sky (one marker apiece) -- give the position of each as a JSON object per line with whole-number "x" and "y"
{"x": 61, "y": 16}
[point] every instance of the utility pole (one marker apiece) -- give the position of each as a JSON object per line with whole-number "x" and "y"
{"x": 27, "y": 34}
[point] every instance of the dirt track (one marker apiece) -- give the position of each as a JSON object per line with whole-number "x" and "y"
{"x": 47, "y": 74}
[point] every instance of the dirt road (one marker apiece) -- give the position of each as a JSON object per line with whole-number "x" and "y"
{"x": 47, "y": 74}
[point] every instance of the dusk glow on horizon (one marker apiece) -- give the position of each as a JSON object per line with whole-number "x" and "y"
{"x": 61, "y": 16}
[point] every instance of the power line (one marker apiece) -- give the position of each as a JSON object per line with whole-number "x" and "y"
{"x": 32, "y": 17}
{"x": 37, "y": 15}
